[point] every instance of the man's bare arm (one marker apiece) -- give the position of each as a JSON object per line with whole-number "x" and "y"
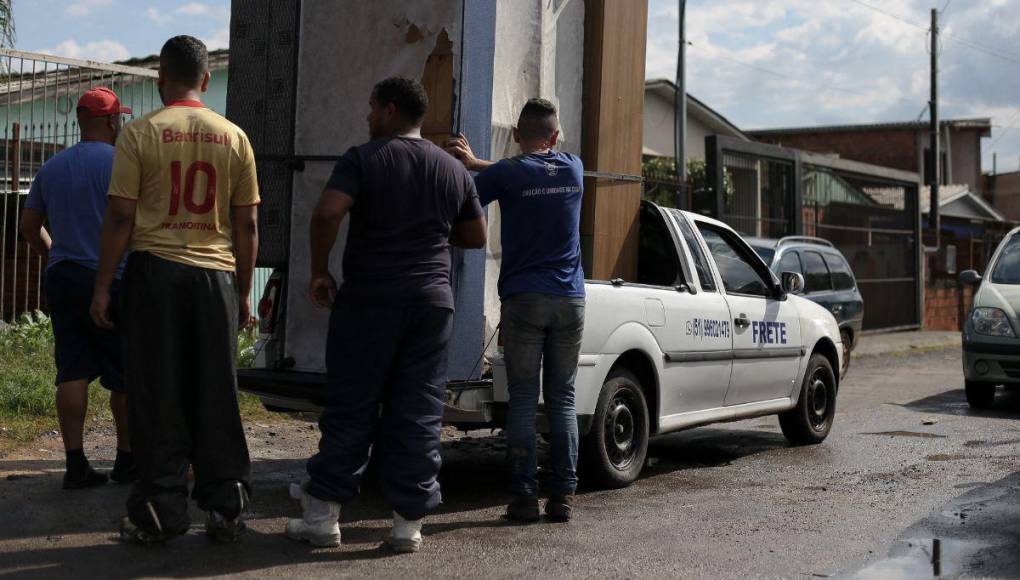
{"x": 118, "y": 223}
{"x": 459, "y": 148}
{"x": 246, "y": 245}
{"x": 35, "y": 233}
{"x": 333, "y": 207}
{"x": 470, "y": 234}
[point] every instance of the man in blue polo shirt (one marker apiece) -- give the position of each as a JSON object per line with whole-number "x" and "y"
{"x": 69, "y": 194}
{"x": 541, "y": 286}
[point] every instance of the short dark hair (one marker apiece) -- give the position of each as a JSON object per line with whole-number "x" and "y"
{"x": 408, "y": 95}
{"x": 184, "y": 59}
{"x": 538, "y": 120}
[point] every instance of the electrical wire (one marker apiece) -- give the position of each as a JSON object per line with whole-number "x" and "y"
{"x": 963, "y": 41}
{"x": 946, "y": 6}
{"x": 791, "y": 77}
{"x": 1010, "y": 125}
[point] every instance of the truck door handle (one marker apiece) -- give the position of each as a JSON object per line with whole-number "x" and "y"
{"x": 742, "y": 321}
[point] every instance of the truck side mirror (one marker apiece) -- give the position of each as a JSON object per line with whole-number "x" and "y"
{"x": 793, "y": 282}
{"x": 970, "y": 278}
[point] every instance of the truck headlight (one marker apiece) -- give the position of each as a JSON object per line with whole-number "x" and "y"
{"x": 991, "y": 322}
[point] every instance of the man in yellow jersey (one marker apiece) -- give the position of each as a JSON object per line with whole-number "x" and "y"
{"x": 183, "y": 199}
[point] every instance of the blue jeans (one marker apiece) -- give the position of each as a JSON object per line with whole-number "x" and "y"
{"x": 541, "y": 344}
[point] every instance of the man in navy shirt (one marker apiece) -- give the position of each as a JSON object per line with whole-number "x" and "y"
{"x": 541, "y": 286}
{"x": 69, "y": 193}
{"x": 391, "y": 320}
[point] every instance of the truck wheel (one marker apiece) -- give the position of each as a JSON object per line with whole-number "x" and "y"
{"x": 613, "y": 452}
{"x": 810, "y": 421}
{"x": 845, "y": 337}
{"x": 980, "y": 395}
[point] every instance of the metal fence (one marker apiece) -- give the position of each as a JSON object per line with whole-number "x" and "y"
{"x": 870, "y": 213}
{"x": 38, "y": 119}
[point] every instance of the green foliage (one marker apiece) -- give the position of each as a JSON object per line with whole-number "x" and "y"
{"x": 7, "y": 35}
{"x": 27, "y": 392}
{"x": 661, "y": 181}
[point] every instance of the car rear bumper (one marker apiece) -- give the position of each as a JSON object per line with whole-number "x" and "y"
{"x": 468, "y": 403}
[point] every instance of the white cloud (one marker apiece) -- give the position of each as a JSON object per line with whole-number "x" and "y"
{"x": 158, "y": 17}
{"x": 84, "y": 7}
{"x": 194, "y": 9}
{"x": 219, "y": 39}
{"x": 100, "y": 50}
{"x": 803, "y": 62}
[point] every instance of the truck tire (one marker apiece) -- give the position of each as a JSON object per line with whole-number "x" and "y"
{"x": 980, "y": 395}
{"x": 810, "y": 421}
{"x": 614, "y": 449}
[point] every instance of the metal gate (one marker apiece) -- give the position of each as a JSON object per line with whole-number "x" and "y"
{"x": 38, "y": 119}
{"x": 869, "y": 213}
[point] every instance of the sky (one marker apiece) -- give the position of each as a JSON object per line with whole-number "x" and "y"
{"x": 760, "y": 63}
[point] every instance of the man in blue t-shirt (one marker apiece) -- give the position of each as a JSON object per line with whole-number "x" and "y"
{"x": 541, "y": 286}
{"x": 69, "y": 194}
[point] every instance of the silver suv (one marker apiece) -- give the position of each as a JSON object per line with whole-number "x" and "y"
{"x": 991, "y": 347}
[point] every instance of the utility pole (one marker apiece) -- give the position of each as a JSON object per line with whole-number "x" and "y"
{"x": 680, "y": 113}
{"x": 935, "y": 175}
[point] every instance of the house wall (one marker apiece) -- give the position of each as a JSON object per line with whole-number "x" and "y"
{"x": 895, "y": 149}
{"x": 965, "y": 159}
{"x": 659, "y": 127}
{"x": 1003, "y": 191}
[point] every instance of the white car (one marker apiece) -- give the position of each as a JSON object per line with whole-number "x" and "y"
{"x": 704, "y": 333}
{"x": 991, "y": 348}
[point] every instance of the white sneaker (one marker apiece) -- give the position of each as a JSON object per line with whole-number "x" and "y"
{"x": 318, "y": 525}
{"x": 405, "y": 537}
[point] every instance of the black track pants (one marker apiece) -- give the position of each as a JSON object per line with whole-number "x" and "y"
{"x": 180, "y": 340}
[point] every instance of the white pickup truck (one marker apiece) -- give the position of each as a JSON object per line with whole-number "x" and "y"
{"x": 704, "y": 334}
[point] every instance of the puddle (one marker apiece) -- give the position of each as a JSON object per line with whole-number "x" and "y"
{"x": 922, "y": 558}
{"x": 945, "y": 457}
{"x": 983, "y": 443}
{"x": 970, "y": 484}
{"x": 908, "y": 434}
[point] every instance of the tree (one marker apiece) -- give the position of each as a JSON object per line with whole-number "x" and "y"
{"x": 7, "y": 23}
{"x": 660, "y": 181}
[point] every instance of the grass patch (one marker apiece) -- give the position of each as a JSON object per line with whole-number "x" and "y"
{"x": 27, "y": 392}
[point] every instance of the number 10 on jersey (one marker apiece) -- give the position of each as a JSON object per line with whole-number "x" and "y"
{"x": 190, "y": 204}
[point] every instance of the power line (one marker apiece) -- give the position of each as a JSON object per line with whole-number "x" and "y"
{"x": 963, "y": 41}
{"x": 948, "y": 2}
{"x": 1009, "y": 126}
{"x": 890, "y": 14}
{"x": 793, "y": 78}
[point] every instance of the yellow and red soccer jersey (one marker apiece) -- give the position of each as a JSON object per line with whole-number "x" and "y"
{"x": 187, "y": 167}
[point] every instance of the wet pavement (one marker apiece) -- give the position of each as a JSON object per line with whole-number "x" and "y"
{"x": 907, "y": 463}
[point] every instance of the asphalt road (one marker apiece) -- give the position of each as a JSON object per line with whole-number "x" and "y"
{"x": 730, "y": 501}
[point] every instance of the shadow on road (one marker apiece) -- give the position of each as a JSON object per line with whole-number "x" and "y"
{"x": 954, "y": 402}
{"x": 45, "y": 526}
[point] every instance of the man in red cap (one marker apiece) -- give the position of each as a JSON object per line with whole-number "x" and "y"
{"x": 69, "y": 193}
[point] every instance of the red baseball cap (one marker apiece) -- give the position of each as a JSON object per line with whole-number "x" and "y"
{"x": 101, "y": 102}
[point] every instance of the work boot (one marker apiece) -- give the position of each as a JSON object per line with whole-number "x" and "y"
{"x": 523, "y": 509}
{"x": 319, "y": 524}
{"x": 405, "y": 537}
{"x": 79, "y": 474}
{"x": 124, "y": 470}
{"x": 227, "y": 530}
{"x": 559, "y": 507}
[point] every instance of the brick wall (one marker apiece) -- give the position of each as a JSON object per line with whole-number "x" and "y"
{"x": 946, "y": 303}
{"x": 896, "y": 149}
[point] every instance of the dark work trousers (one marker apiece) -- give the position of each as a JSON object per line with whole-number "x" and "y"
{"x": 180, "y": 339}
{"x": 386, "y": 384}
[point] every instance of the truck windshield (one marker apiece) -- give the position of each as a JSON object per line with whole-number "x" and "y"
{"x": 1007, "y": 267}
